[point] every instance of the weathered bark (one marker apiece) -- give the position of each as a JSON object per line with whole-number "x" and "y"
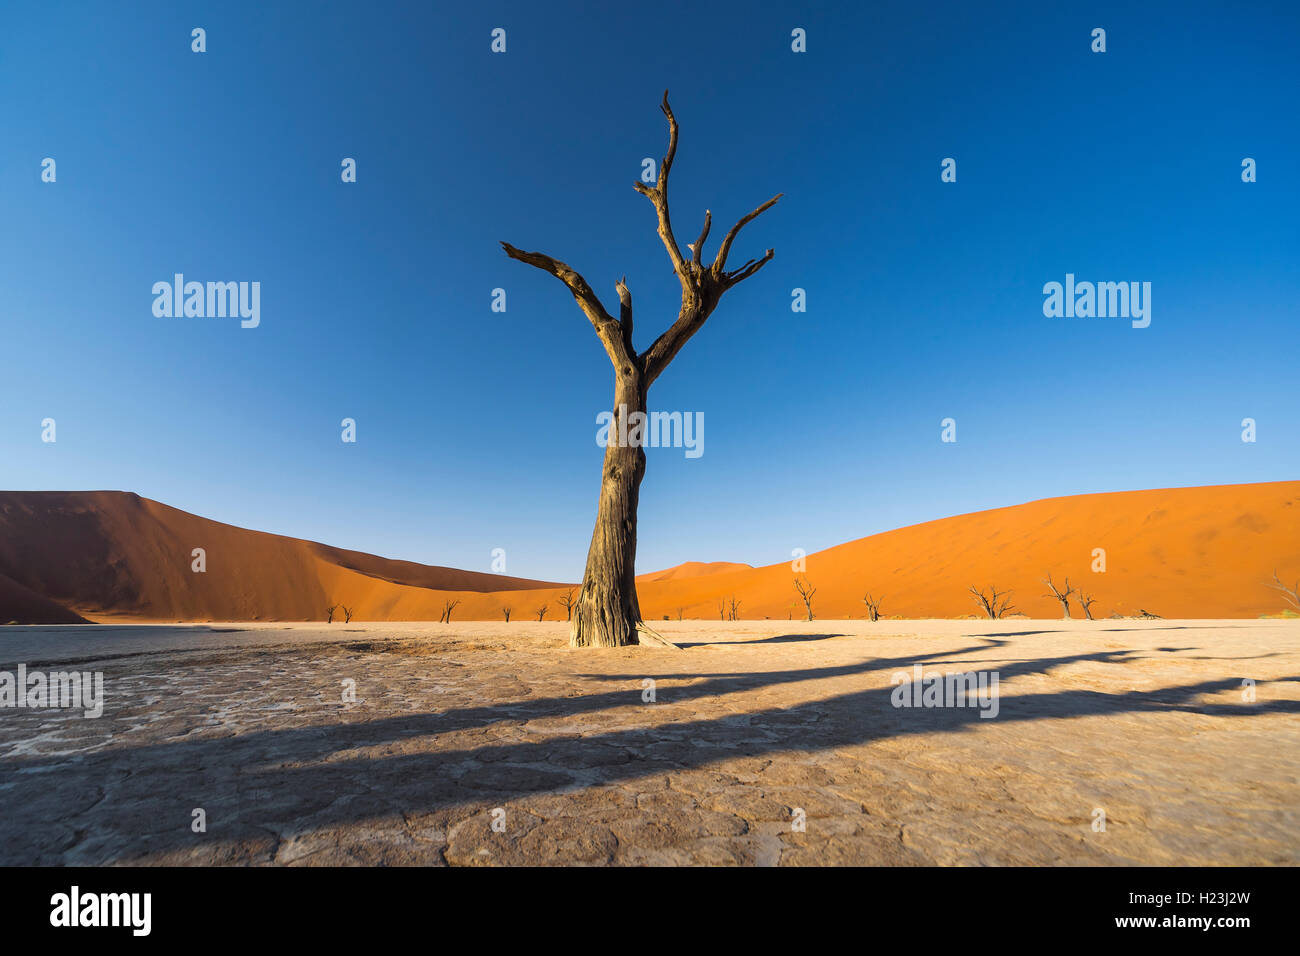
{"x": 606, "y": 613}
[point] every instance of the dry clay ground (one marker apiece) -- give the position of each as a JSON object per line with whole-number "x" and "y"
{"x": 752, "y": 721}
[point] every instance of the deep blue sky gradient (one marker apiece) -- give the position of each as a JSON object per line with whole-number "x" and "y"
{"x": 476, "y": 429}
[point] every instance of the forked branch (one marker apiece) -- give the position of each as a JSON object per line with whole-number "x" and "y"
{"x": 747, "y": 270}
{"x": 701, "y": 287}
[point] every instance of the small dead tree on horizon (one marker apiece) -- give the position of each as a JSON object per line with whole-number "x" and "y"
{"x": 806, "y": 591}
{"x": 1290, "y": 594}
{"x": 1146, "y": 615}
{"x": 566, "y": 601}
{"x": 541, "y": 612}
{"x": 447, "y": 607}
{"x": 329, "y": 613}
{"x": 506, "y": 611}
{"x": 733, "y": 609}
{"x": 1086, "y": 601}
{"x": 1062, "y": 596}
{"x": 607, "y": 612}
{"x": 873, "y": 606}
{"x": 347, "y": 614}
{"x": 989, "y": 602}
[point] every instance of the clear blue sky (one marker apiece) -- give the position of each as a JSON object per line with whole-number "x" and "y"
{"x": 476, "y": 430}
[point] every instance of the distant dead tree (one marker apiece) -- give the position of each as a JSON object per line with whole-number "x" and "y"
{"x": 722, "y": 609}
{"x": 733, "y": 609}
{"x": 679, "y": 612}
{"x": 1086, "y": 601}
{"x": 989, "y": 602}
{"x": 541, "y": 612}
{"x": 1147, "y": 615}
{"x": 329, "y": 613}
{"x": 566, "y": 601}
{"x": 1290, "y": 594}
{"x": 873, "y": 606}
{"x": 806, "y": 591}
{"x": 506, "y": 611}
{"x": 447, "y": 607}
{"x": 1062, "y": 596}
{"x": 347, "y": 614}
{"x": 607, "y": 612}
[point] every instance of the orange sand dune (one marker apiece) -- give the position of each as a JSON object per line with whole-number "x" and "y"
{"x": 1181, "y": 552}
{"x": 112, "y": 555}
{"x": 692, "y": 569}
{"x": 1177, "y": 552}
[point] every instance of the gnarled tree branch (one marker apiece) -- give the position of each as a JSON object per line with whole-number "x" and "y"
{"x": 698, "y": 248}
{"x": 748, "y": 269}
{"x": 720, "y": 261}
{"x": 658, "y": 194}
{"x": 610, "y": 330}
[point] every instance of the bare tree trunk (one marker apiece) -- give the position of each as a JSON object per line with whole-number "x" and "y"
{"x": 607, "y": 611}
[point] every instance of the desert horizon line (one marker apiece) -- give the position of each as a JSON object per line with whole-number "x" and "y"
{"x": 687, "y": 561}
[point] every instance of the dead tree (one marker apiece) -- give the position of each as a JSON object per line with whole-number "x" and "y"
{"x": 873, "y": 606}
{"x": 1062, "y": 596}
{"x": 733, "y": 609}
{"x": 989, "y": 602}
{"x": 1086, "y": 601}
{"x": 679, "y": 612}
{"x": 1290, "y": 594}
{"x": 506, "y": 611}
{"x": 722, "y": 609}
{"x": 541, "y": 612}
{"x": 566, "y": 601}
{"x": 329, "y": 613}
{"x": 806, "y": 591}
{"x": 447, "y": 607}
{"x": 347, "y": 615}
{"x": 1146, "y": 615}
{"x": 607, "y": 611}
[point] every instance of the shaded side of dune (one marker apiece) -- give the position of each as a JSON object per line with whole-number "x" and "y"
{"x": 21, "y": 605}
{"x": 108, "y": 555}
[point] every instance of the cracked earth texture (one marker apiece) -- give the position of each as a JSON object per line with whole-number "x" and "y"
{"x": 752, "y": 722}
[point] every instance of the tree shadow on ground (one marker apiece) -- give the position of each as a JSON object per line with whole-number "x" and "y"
{"x": 119, "y": 804}
{"x": 778, "y": 639}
